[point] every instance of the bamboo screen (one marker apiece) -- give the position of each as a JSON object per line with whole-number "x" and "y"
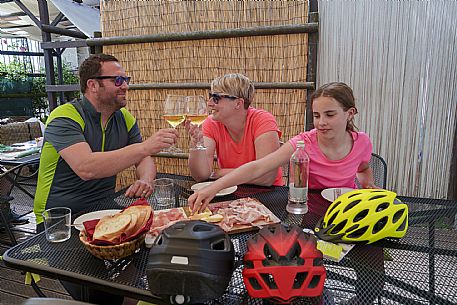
{"x": 400, "y": 59}
{"x": 280, "y": 58}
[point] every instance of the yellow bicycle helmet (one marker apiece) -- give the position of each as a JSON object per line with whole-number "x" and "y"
{"x": 364, "y": 216}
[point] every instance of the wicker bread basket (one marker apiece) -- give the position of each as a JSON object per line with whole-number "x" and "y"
{"x": 115, "y": 251}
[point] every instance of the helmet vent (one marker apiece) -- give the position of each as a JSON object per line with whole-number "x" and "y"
{"x": 202, "y": 228}
{"x": 361, "y": 215}
{"x": 358, "y": 233}
{"x": 272, "y": 229}
{"x": 294, "y": 255}
{"x": 377, "y": 197}
{"x": 269, "y": 280}
{"x": 160, "y": 240}
{"x": 314, "y": 282}
{"x": 380, "y": 224}
{"x": 254, "y": 283}
{"x": 334, "y": 205}
{"x": 332, "y": 218}
{"x": 299, "y": 279}
{"x": 351, "y": 205}
{"x": 317, "y": 261}
{"x": 338, "y": 228}
{"x": 270, "y": 256}
{"x": 353, "y": 194}
{"x": 248, "y": 264}
{"x": 382, "y": 207}
{"x": 403, "y": 225}
{"x": 398, "y": 215}
{"x": 219, "y": 245}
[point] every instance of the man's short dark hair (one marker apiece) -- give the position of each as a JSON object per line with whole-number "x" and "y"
{"x": 92, "y": 67}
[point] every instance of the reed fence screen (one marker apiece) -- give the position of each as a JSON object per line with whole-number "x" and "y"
{"x": 400, "y": 58}
{"x": 280, "y": 58}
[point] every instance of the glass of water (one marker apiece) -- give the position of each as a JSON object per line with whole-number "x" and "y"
{"x": 57, "y": 224}
{"x": 164, "y": 193}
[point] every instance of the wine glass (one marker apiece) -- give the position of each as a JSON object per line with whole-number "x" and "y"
{"x": 174, "y": 112}
{"x": 197, "y": 112}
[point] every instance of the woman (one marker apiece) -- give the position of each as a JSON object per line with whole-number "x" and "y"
{"x": 337, "y": 152}
{"x": 236, "y": 132}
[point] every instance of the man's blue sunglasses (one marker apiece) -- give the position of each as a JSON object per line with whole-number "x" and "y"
{"x": 217, "y": 97}
{"x": 118, "y": 80}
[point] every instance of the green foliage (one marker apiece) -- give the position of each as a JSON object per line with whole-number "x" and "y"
{"x": 15, "y": 76}
{"x": 39, "y": 83}
{"x": 14, "y": 71}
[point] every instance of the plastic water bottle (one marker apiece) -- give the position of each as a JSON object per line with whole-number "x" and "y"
{"x": 298, "y": 181}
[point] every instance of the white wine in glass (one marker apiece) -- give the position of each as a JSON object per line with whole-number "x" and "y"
{"x": 197, "y": 112}
{"x": 174, "y": 111}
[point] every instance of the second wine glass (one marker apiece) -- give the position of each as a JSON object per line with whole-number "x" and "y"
{"x": 174, "y": 112}
{"x": 197, "y": 112}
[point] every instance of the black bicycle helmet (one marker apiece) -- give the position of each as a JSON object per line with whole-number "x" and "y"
{"x": 190, "y": 262}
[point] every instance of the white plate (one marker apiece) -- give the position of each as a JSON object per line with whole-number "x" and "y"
{"x": 78, "y": 222}
{"x": 332, "y": 193}
{"x": 223, "y": 192}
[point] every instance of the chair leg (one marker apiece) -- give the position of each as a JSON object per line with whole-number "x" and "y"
{"x": 6, "y": 225}
{"x": 37, "y": 289}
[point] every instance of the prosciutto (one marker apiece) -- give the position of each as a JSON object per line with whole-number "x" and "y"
{"x": 243, "y": 211}
{"x": 165, "y": 218}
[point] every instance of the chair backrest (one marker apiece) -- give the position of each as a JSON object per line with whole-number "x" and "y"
{"x": 6, "y": 183}
{"x": 379, "y": 169}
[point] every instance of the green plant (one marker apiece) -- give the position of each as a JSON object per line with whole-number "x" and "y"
{"x": 39, "y": 83}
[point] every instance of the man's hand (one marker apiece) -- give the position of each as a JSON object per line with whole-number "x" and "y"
{"x": 162, "y": 139}
{"x": 138, "y": 189}
{"x": 199, "y": 200}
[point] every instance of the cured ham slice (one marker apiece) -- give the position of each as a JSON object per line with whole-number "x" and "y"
{"x": 165, "y": 218}
{"x": 244, "y": 212}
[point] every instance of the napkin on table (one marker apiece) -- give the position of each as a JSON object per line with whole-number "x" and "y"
{"x": 89, "y": 227}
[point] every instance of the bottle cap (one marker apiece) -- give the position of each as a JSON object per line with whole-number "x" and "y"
{"x": 300, "y": 143}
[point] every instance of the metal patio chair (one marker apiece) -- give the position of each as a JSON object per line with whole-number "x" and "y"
{"x": 379, "y": 168}
{"x": 9, "y": 179}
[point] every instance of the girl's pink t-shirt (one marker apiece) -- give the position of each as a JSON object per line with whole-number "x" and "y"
{"x": 231, "y": 154}
{"x": 325, "y": 173}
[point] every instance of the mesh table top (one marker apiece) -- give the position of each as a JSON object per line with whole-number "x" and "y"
{"x": 421, "y": 268}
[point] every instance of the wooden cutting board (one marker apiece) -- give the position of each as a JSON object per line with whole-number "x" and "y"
{"x": 238, "y": 227}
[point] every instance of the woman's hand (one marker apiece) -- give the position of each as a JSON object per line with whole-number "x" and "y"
{"x": 199, "y": 200}
{"x": 196, "y": 135}
{"x": 138, "y": 189}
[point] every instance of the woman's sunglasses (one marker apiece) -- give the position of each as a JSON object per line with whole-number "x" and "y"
{"x": 217, "y": 97}
{"x": 118, "y": 80}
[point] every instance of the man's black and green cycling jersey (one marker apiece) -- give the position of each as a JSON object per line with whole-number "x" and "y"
{"x": 71, "y": 123}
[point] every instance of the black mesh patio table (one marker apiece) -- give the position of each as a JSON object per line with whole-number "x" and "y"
{"x": 421, "y": 268}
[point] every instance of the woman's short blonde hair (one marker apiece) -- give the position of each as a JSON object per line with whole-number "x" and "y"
{"x": 234, "y": 84}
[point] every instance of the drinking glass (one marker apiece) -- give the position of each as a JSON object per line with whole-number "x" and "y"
{"x": 164, "y": 192}
{"x": 197, "y": 112}
{"x": 57, "y": 223}
{"x": 174, "y": 112}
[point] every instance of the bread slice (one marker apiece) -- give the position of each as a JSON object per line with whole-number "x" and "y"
{"x": 111, "y": 227}
{"x": 142, "y": 212}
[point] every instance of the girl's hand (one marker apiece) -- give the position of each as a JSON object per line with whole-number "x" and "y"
{"x": 199, "y": 200}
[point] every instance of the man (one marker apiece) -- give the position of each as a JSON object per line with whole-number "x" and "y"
{"x": 87, "y": 142}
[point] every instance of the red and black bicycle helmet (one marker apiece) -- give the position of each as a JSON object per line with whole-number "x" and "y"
{"x": 190, "y": 262}
{"x": 282, "y": 264}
